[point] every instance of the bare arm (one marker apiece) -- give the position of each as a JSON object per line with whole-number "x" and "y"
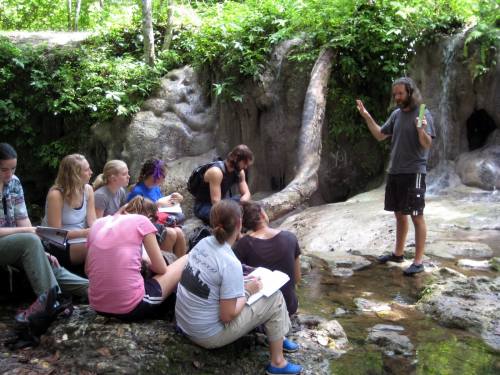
{"x": 243, "y": 187}
{"x": 91, "y": 215}
{"x": 98, "y": 213}
{"x": 22, "y": 226}
{"x": 372, "y": 125}
{"x": 297, "y": 270}
{"x": 214, "y": 178}
{"x": 231, "y": 308}
{"x": 158, "y": 264}
{"x": 423, "y": 137}
{"x": 13, "y": 230}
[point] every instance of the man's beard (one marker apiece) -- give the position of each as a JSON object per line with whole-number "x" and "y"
{"x": 236, "y": 166}
{"x": 404, "y": 103}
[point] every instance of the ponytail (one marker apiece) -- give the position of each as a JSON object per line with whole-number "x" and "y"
{"x": 225, "y": 216}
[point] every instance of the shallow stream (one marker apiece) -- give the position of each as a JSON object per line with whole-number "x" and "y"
{"x": 438, "y": 350}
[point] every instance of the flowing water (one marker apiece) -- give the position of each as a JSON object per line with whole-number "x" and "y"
{"x": 438, "y": 350}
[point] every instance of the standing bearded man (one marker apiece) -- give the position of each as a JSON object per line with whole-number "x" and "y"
{"x": 405, "y": 188}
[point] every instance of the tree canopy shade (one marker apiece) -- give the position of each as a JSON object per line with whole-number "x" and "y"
{"x": 66, "y": 15}
{"x": 106, "y": 77}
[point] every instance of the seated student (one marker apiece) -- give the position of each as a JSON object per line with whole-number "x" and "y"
{"x": 70, "y": 205}
{"x": 19, "y": 245}
{"x": 211, "y": 304}
{"x": 270, "y": 248}
{"x": 109, "y": 188}
{"x": 113, "y": 264}
{"x": 151, "y": 176}
{"x": 220, "y": 177}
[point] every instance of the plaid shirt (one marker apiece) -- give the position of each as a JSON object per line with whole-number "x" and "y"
{"x": 12, "y": 206}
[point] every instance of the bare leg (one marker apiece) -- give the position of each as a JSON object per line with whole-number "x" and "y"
{"x": 169, "y": 280}
{"x": 420, "y": 237}
{"x": 276, "y": 350}
{"x": 170, "y": 240}
{"x": 401, "y": 232}
{"x": 77, "y": 253}
{"x": 180, "y": 243}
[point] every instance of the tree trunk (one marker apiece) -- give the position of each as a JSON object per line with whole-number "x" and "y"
{"x": 77, "y": 13}
{"x": 101, "y": 4}
{"x": 167, "y": 39}
{"x": 147, "y": 32}
{"x": 305, "y": 182}
{"x": 70, "y": 10}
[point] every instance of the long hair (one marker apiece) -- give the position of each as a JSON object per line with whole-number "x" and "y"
{"x": 68, "y": 179}
{"x": 225, "y": 216}
{"x": 111, "y": 168}
{"x": 152, "y": 167}
{"x": 239, "y": 153}
{"x": 7, "y": 152}
{"x": 412, "y": 90}
{"x": 251, "y": 214}
{"x": 142, "y": 206}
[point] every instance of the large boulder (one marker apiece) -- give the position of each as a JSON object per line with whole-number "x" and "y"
{"x": 176, "y": 121}
{"x": 481, "y": 168}
{"x": 470, "y": 303}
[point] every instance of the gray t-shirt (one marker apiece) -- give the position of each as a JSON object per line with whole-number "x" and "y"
{"x": 109, "y": 202}
{"x": 212, "y": 273}
{"x": 407, "y": 155}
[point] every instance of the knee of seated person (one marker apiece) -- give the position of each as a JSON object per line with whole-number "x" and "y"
{"x": 30, "y": 240}
{"x": 171, "y": 232}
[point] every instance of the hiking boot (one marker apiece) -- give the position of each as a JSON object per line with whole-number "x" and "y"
{"x": 45, "y": 302}
{"x": 413, "y": 269}
{"x": 290, "y": 368}
{"x": 391, "y": 258}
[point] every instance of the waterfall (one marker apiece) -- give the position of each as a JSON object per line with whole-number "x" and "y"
{"x": 443, "y": 175}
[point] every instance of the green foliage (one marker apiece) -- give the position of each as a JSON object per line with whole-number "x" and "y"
{"x": 53, "y": 14}
{"x": 72, "y": 88}
{"x": 105, "y": 77}
{"x": 486, "y": 37}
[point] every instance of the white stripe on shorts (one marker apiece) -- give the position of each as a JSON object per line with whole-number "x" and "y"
{"x": 152, "y": 300}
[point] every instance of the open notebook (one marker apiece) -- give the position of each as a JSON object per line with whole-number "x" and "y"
{"x": 55, "y": 236}
{"x": 272, "y": 281}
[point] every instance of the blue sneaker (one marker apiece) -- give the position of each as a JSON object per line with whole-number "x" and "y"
{"x": 290, "y": 346}
{"x": 290, "y": 368}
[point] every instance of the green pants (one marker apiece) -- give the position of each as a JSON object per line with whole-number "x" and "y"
{"x": 25, "y": 250}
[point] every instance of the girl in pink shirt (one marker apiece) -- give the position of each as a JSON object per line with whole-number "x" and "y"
{"x": 113, "y": 265}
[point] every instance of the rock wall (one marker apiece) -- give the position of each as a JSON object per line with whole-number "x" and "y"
{"x": 463, "y": 108}
{"x": 184, "y": 124}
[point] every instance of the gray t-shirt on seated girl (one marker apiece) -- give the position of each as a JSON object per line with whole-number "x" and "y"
{"x": 212, "y": 273}
{"x": 109, "y": 202}
{"x": 407, "y": 155}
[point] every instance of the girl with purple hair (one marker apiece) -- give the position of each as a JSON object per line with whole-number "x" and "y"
{"x": 151, "y": 177}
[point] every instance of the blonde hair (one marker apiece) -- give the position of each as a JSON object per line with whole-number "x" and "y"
{"x": 142, "y": 206}
{"x": 68, "y": 180}
{"x": 111, "y": 168}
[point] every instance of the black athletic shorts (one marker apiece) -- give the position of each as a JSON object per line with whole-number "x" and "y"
{"x": 151, "y": 306}
{"x": 405, "y": 193}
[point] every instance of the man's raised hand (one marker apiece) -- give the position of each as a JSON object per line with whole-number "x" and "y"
{"x": 361, "y": 108}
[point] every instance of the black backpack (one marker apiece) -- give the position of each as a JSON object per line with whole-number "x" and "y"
{"x": 195, "y": 181}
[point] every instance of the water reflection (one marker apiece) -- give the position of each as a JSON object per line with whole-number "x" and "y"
{"x": 439, "y": 350}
